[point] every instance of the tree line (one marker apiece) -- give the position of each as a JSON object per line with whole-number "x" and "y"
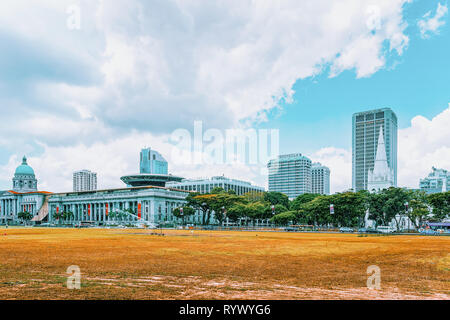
{"x": 349, "y": 208}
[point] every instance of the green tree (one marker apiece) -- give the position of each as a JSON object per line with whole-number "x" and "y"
{"x": 440, "y": 204}
{"x": 284, "y": 218}
{"x": 25, "y": 216}
{"x": 187, "y": 211}
{"x": 394, "y": 205}
{"x": 418, "y": 209}
{"x": 275, "y": 198}
{"x": 197, "y": 201}
{"x": 297, "y": 203}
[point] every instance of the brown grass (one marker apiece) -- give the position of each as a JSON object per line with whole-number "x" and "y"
{"x": 132, "y": 264}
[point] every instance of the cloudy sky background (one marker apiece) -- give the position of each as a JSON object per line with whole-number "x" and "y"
{"x": 135, "y": 71}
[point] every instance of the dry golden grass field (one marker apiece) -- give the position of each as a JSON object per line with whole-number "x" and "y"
{"x": 132, "y": 264}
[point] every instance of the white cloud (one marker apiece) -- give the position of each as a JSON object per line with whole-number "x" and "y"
{"x": 424, "y": 144}
{"x": 431, "y": 24}
{"x": 137, "y": 70}
{"x": 136, "y": 64}
{"x": 340, "y": 163}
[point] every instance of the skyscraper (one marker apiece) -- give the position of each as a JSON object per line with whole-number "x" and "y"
{"x": 152, "y": 162}
{"x": 290, "y": 174}
{"x": 84, "y": 180}
{"x": 320, "y": 179}
{"x": 366, "y": 129}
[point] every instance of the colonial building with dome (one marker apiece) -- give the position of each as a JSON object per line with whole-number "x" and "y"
{"x": 24, "y": 196}
{"x": 149, "y": 203}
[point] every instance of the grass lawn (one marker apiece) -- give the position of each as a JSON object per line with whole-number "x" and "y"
{"x": 132, "y": 264}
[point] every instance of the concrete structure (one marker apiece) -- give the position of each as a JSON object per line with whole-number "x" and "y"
{"x": 320, "y": 179}
{"x": 150, "y": 205}
{"x": 290, "y": 174}
{"x": 84, "y": 180}
{"x": 24, "y": 197}
{"x": 381, "y": 177}
{"x": 206, "y": 185}
{"x": 364, "y": 145}
{"x": 437, "y": 181}
{"x": 146, "y": 204}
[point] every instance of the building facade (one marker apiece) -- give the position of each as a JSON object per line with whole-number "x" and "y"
{"x": 146, "y": 204}
{"x": 437, "y": 181}
{"x": 24, "y": 197}
{"x": 364, "y": 145}
{"x": 207, "y": 185}
{"x": 320, "y": 179}
{"x": 84, "y": 180}
{"x": 153, "y": 162}
{"x": 152, "y": 205}
{"x": 290, "y": 174}
{"x": 381, "y": 177}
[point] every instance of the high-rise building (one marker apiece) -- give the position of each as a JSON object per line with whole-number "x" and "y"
{"x": 84, "y": 180}
{"x": 320, "y": 179}
{"x": 437, "y": 181}
{"x": 290, "y": 174}
{"x": 152, "y": 162}
{"x": 366, "y": 129}
{"x": 207, "y": 185}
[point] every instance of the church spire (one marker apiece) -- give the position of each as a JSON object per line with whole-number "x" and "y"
{"x": 381, "y": 177}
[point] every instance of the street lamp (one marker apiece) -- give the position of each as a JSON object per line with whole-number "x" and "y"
{"x": 181, "y": 214}
{"x": 407, "y": 210}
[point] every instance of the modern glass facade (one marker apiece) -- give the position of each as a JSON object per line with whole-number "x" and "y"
{"x": 290, "y": 174}
{"x": 366, "y": 127}
{"x": 320, "y": 180}
{"x": 206, "y": 185}
{"x": 152, "y": 161}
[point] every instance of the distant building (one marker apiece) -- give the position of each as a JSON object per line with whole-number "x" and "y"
{"x": 320, "y": 179}
{"x": 437, "y": 181}
{"x": 366, "y": 128}
{"x": 290, "y": 174}
{"x": 153, "y": 162}
{"x": 153, "y": 171}
{"x": 207, "y": 185}
{"x": 84, "y": 180}
{"x": 24, "y": 197}
{"x": 381, "y": 177}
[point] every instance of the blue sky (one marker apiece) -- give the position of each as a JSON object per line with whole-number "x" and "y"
{"x": 88, "y": 91}
{"x": 416, "y": 83}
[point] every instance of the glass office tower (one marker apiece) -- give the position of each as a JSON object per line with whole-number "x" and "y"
{"x": 366, "y": 128}
{"x": 152, "y": 161}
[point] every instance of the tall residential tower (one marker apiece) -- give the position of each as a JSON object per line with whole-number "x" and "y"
{"x": 320, "y": 181}
{"x": 84, "y": 180}
{"x": 366, "y": 132}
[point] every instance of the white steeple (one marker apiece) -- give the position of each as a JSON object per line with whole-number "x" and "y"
{"x": 381, "y": 177}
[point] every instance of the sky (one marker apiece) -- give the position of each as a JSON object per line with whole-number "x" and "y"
{"x": 87, "y": 84}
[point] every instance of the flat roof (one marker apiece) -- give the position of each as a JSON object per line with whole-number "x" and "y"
{"x": 118, "y": 189}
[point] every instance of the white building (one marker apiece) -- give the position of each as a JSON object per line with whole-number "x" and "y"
{"x": 84, "y": 180}
{"x": 381, "y": 177}
{"x": 207, "y": 185}
{"x": 320, "y": 179}
{"x": 437, "y": 181}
